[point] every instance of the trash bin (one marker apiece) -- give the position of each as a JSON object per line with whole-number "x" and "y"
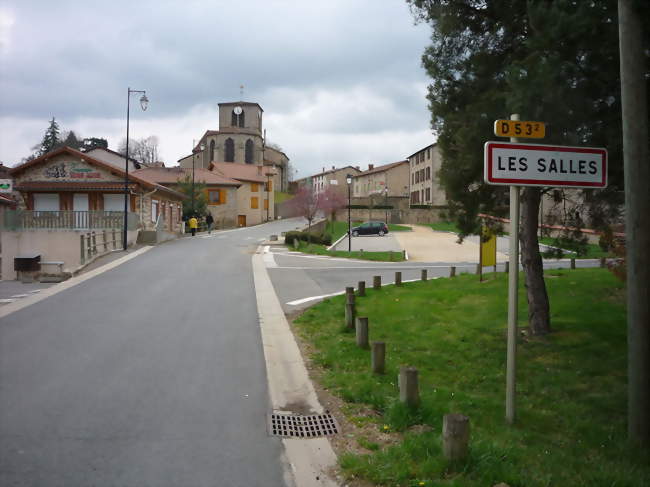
{"x": 27, "y": 263}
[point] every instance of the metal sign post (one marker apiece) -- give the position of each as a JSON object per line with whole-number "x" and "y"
{"x": 513, "y": 308}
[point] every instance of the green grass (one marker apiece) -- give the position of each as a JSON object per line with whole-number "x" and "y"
{"x": 377, "y": 256}
{"x": 338, "y": 229}
{"x": 571, "y": 388}
{"x": 281, "y": 197}
{"x": 593, "y": 251}
{"x": 444, "y": 227}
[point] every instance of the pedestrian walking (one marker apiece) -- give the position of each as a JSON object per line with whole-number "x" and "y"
{"x": 209, "y": 221}
{"x": 194, "y": 223}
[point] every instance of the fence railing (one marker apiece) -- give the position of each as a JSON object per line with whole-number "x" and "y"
{"x": 17, "y": 220}
{"x": 95, "y": 244}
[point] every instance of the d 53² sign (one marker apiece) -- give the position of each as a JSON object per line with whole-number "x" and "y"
{"x": 516, "y": 128}
{"x": 545, "y": 165}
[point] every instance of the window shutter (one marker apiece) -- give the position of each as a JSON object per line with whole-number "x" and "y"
{"x": 222, "y": 196}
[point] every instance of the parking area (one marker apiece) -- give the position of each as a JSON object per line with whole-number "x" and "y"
{"x": 371, "y": 243}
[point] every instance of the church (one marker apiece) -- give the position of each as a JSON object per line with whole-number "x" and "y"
{"x": 240, "y": 140}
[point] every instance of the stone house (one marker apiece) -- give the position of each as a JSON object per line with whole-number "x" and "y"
{"x": 389, "y": 180}
{"x": 255, "y": 198}
{"x": 220, "y": 191}
{"x": 332, "y": 178}
{"x": 425, "y": 188}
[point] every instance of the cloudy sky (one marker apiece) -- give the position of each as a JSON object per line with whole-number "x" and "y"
{"x": 340, "y": 81}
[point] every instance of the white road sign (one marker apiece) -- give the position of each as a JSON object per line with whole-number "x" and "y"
{"x": 5, "y": 186}
{"x": 544, "y": 165}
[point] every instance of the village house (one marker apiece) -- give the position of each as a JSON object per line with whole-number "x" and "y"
{"x": 389, "y": 180}
{"x": 69, "y": 198}
{"x": 425, "y": 188}
{"x": 331, "y": 178}
{"x": 220, "y": 191}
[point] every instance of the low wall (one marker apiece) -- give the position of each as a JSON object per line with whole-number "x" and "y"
{"x": 53, "y": 245}
{"x": 410, "y": 215}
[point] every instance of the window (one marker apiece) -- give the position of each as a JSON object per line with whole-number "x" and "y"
{"x": 254, "y": 202}
{"x": 248, "y": 154}
{"x": 268, "y": 186}
{"x": 412, "y": 178}
{"x": 211, "y": 150}
{"x": 230, "y": 150}
{"x": 254, "y": 187}
{"x": 216, "y": 196}
{"x": 428, "y": 194}
{"x": 154, "y": 210}
{"x": 429, "y": 153}
{"x": 428, "y": 173}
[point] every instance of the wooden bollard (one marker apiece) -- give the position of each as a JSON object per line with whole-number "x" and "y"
{"x": 378, "y": 357}
{"x": 452, "y": 271}
{"x": 398, "y": 278}
{"x": 507, "y": 270}
{"x": 349, "y": 290}
{"x": 361, "y": 289}
{"x": 350, "y": 312}
{"x": 573, "y": 263}
{"x": 409, "y": 389}
{"x": 376, "y": 282}
{"x": 455, "y": 436}
{"x": 362, "y": 332}
{"x": 423, "y": 274}
{"x": 603, "y": 262}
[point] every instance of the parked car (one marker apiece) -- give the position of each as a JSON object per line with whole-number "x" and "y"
{"x": 370, "y": 228}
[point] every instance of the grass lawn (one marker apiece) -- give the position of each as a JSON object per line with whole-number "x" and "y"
{"x": 378, "y": 256}
{"x": 338, "y": 229}
{"x": 280, "y": 197}
{"x": 571, "y": 401}
{"x": 593, "y": 251}
{"x": 444, "y": 227}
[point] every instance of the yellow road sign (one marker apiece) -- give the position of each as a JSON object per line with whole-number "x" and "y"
{"x": 516, "y": 128}
{"x": 488, "y": 248}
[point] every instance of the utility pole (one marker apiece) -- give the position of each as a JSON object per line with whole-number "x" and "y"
{"x": 634, "y": 106}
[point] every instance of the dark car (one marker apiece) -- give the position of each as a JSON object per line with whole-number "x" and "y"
{"x": 370, "y": 228}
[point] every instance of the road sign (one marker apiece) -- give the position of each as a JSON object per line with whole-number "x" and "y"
{"x": 488, "y": 247}
{"x": 5, "y": 186}
{"x": 544, "y": 165}
{"x": 516, "y": 128}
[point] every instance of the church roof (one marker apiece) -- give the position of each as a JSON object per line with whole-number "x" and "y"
{"x": 242, "y": 172}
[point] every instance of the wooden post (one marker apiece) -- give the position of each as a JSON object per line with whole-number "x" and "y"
{"x": 349, "y": 290}
{"x": 83, "y": 258}
{"x": 376, "y": 282}
{"x": 423, "y": 274}
{"x": 350, "y": 311}
{"x": 455, "y": 436}
{"x": 409, "y": 392}
{"x": 398, "y": 278}
{"x": 114, "y": 241}
{"x": 452, "y": 271}
{"x": 94, "y": 243}
{"x": 507, "y": 270}
{"x": 362, "y": 332}
{"x": 361, "y": 290}
{"x": 378, "y": 357}
{"x": 573, "y": 263}
{"x": 105, "y": 237}
{"x": 603, "y": 262}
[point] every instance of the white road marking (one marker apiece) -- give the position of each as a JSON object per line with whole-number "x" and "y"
{"x": 7, "y": 300}
{"x": 268, "y": 258}
{"x": 20, "y": 295}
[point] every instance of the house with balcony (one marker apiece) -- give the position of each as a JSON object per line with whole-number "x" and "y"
{"x": 71, "y": 209}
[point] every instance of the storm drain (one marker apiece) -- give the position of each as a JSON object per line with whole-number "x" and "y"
{"x": 302, "y": 426}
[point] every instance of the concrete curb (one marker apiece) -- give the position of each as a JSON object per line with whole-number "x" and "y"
{"x": 311, "y": 460}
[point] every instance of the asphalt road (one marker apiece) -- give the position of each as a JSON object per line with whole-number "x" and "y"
{"x": 150, "y": 374}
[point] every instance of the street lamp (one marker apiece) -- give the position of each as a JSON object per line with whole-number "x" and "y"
{"x": 386, "y": 202}
{"x": 144, "y": 103}
{"x": 348, "y": 178}
{"x": 201, "y": 148}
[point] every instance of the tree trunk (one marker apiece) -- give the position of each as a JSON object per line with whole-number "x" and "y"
{"x": 531, "y": 260}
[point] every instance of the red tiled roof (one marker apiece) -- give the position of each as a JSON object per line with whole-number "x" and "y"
{"x": 171, "y": 175}
{"x": 73, "y": 185}
{"x": 383, "y": 168}
{"x": 6, "y": 201}
{"x": 93, "y": 162}
{"x": 242, "y": 172}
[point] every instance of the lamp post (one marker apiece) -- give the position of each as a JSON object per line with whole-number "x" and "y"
{"x": 348, "y": 178}
{"x": 386, "y": 202}
{"x": 201, "y": 148}
{"x": 144, "y": 102}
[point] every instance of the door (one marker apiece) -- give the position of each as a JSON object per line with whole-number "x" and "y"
{"x": 80, "y": 208}
{"x": 241, "y": 220}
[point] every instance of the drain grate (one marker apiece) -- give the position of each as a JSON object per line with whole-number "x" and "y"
{"x": 299, "y": 426}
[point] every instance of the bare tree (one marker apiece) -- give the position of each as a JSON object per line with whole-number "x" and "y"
{"x": 307, "y": 203}
{"x": 144, "y": 150}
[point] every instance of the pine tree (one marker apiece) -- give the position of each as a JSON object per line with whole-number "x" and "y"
{"x": 552, "y": 61}
{"x": 51, "y": 138}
